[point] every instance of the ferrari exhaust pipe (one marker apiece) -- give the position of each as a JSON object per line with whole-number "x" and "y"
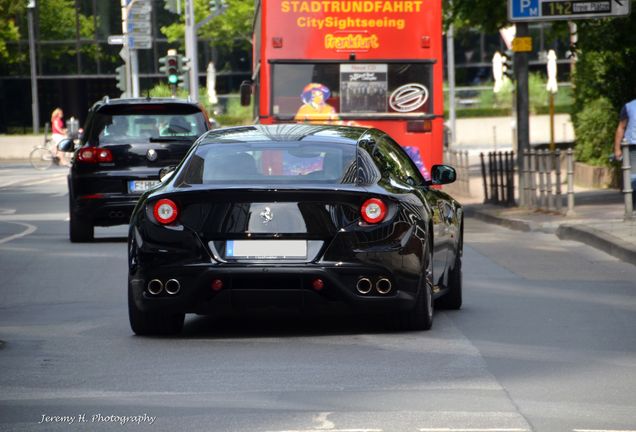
{"x": 155, "y": 287}
{"x": 383, "y": 286}
{"x": 364, "y": 285}
{"x": 173, "y": 286}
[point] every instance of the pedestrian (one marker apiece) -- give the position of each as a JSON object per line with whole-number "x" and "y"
{"x": 626, "y": 128}
{"x": 58, "y": 133}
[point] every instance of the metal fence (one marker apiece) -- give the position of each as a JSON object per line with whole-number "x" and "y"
{"x": 459, "y": 160}
{"x": 498, "y": 175}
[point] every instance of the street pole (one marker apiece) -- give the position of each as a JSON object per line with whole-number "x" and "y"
{"x": 134, "y": 72}
{"x": 523, "y": 115}
{"x": 191, "y": 49}
{"x": 35, "y": 106}
{"x": 450, "y": 55}
{"x": 127, "y": 62}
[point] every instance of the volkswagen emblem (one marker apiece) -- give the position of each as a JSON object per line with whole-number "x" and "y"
{"x": 152, "y": 155}
{"x": 267, "y": 215}
{"x": 408, "y": 97}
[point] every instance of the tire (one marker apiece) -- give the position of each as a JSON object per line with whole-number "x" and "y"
{"x": 453, "y": 297}
{"x": 152, "y": 323}
{"x": 80, "y": 231}
{"x": 421, "y": 316}
{"x": 41, "y": 158}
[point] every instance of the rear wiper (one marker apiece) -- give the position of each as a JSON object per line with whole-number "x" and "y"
{"x": 171, "y": 138}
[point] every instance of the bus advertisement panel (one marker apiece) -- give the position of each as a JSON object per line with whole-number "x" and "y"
{"x": 366, "y": 62}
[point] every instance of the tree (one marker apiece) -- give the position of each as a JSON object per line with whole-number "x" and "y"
{"x": 9, "y": 31}
{"x": 486, "y": 15}
{"x": 225, "y": 30}
{"x": 604, "y": 81}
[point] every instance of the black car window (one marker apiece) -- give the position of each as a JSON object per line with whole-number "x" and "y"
{"x": 121, "y": 124}
{"x": 271, "y": 163}
{"x": 393, "y": 161}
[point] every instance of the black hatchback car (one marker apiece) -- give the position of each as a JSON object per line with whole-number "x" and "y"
{"x": 125, "y": 145}
{"x": 298, "y": 217}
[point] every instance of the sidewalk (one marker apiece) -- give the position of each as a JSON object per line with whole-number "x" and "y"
{"x": 598, "y": 219}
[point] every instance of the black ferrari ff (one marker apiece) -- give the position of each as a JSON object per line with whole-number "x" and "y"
{"x": 298, "y": 217}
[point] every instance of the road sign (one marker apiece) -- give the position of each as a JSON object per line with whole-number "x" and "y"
{"x": 550, "y": 10}
{"x": 522, "y": 44}
{"x": 116, "y": 40}
{"x": 139, "y": 42}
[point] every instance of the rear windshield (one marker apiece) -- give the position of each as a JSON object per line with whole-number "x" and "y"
{"x": 142, "y": 123}
{"x": 271, "y": 163}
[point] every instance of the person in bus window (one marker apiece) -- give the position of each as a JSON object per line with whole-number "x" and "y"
{"x": 315, "y": 107}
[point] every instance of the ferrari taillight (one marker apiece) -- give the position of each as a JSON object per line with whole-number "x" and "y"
{"x": 373, "y": 210}
{"x": 94, "y": 155}
{"x": 165, "y": 211}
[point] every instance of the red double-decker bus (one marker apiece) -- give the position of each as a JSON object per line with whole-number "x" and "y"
{"x": 368, "y": 62}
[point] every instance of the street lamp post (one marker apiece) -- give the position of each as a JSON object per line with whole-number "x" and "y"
{"x": 35, "y": 109}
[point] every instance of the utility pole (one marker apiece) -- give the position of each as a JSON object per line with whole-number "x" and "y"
{"x": 191, "y": 49}
{"x": 450, "y": 55}
{"x": 35, "y": 106}
{"x": 523, "y": 112}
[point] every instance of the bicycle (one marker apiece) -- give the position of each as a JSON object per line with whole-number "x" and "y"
{"x": 43, "y": 156}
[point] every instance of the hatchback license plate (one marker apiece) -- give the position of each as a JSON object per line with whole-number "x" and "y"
{"x": 137, "y": 186}
{"x": 266, "y": 249}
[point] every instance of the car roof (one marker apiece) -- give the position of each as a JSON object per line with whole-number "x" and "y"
{"x": 142, "y": 101}
{"x": 286, "y": 133}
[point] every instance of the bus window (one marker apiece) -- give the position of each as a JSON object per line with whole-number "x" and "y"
{"x": 355, "y": 88}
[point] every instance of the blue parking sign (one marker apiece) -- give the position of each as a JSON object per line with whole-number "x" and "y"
{"x": 521, "y": 9}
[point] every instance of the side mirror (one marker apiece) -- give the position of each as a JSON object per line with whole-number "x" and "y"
{"x": 66, "y": 145}
{"x": 165, "y": 173}
{"x": 443, "y": 174}
{"x": 246, "y": 93}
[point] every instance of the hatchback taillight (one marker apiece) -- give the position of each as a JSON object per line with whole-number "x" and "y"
{"x": 373, "y": 211}
{"x": 94, "y": 155}
{"x": 165, "y": 211}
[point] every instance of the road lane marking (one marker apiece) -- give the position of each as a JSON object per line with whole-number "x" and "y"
{"x": 324, "y": 423}
{"x": 30, "y": 229}
{"x": 603, "y": 430}
{"x": 473, "y": 430}
{"x": 330, "y": 430}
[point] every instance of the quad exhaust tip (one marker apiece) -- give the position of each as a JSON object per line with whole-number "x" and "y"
{"x": 155, "y": 287}
{"x": 383, "y": 286}
{"x": 173, "y": 286}
{"x": 364, "y": 285}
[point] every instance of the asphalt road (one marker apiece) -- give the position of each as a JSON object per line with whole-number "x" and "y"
{"x": 546, "y": 342}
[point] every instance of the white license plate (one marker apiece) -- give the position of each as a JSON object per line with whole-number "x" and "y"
{"x": 266, "y": 249}
{"x": 136, "y": 186}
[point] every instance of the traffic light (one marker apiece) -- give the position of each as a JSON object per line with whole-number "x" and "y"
{"x": 173, "y": 6}
{"x": 170, "y": 66}
{"x": 184, "y": 72}
{"x": 509, "y": 64}
{"x": 122, "y": 78}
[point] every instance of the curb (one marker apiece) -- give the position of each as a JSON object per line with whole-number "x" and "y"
{"x": 599, "y": 240}
{"x": 515, "y": 224}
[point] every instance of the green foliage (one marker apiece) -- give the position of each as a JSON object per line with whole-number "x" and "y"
{"x": 224, "y": 30}
{"x": 595, "y": 126}
{"x": 234, "y": 113}
{"x": 486, "y": 15}
{"x": 57, "y": 22}
{"x": 9, "y": 31}
{"x": 604, "y": 78}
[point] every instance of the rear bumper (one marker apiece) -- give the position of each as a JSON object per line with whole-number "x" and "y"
{"x": 273, "y": 288}
{"x": 108, "y": 210}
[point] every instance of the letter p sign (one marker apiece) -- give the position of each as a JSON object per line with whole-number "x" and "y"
{"x": 524, "y": 8}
